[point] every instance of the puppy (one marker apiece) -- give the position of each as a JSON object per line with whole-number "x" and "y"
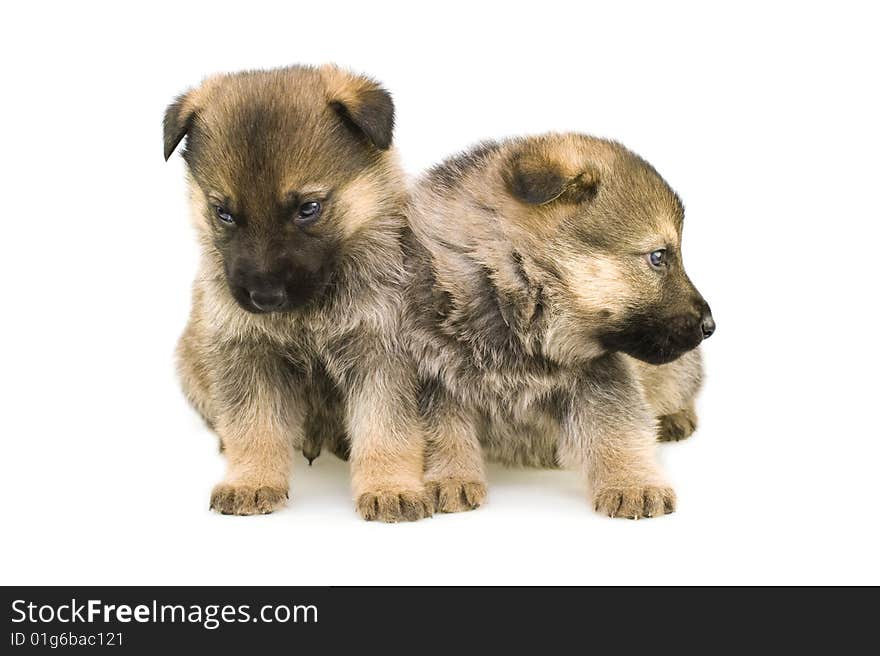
{"x": 552, "y": 318}
{"x": 298, "y": 204}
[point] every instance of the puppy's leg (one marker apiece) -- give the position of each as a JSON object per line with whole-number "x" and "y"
{"x": 387, "y": 443}
{"x": 260, "y": 411}
{"x": 192, "y": 369}
{"x": 454, "y": 471}
{"x": 671, "y": 390}
{"x": 610, "y": 431}
{"x": 678, "y": 425}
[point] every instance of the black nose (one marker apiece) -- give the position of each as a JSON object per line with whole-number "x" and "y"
{"x": 707, "y": 325}
{"x": 268, "y": 300}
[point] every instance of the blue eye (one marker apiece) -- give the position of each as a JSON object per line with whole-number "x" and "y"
{"x": 308, "y": 212}
{"x": 657, "y": 259}
{"x": 224, "y": 215}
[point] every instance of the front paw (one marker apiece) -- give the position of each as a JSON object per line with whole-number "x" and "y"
{"x": 395, "y": 505}
{"x": 634, "y": 501}
{"x": 453, "y": 495}
{"x": 245, "y": 499}
{"x": 677, "y": 426}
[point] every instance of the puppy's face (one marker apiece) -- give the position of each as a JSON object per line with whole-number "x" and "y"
{"x": 610, "y": 233}
{"x": 285, "y": 166}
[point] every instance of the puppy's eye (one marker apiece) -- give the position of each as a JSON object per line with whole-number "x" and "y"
{"x": 308, "y": 213}
{"x": 657, "y": 259}
{"x": 223, "y": 215}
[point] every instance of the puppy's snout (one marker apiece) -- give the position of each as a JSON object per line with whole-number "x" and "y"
{"x": 707, "y": 324}
{"x": 268, "y": 299}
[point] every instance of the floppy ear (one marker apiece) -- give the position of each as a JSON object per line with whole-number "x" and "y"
{"x": 178, "y": 119}
{"x": 536, "y": 180}
{"x": 362, "y": 104}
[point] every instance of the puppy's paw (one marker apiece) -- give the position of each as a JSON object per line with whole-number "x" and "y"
{"x": 634, "y": 502}
{"x": 453, "y": 495}
{"x": 677, "y": 426}
{"x": 243, "y": 499}
{"x": 395, "y": 505}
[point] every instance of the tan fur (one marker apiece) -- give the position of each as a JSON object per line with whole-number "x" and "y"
{"x": 330, "y": 372}
{"x": 454, "y": 467}
{"x": 671, "y": 387}
{"x": 529, "y": 256}
{"x": 364, "y": 193}
{"x": 340, "y": 85}
{"x": 597, "y": 282}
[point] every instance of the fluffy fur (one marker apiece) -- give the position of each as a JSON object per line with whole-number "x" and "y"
{"x": 325, "y": 366}
{"x": 528, "y": 282}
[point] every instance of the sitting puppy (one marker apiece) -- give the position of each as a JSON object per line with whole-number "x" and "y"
{"x": 546, "y": 286}
{"x": 298, "y": 203}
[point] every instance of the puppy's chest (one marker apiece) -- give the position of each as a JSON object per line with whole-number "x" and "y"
{"x": 298, "y": 337}
{"x": 524, "y": 394}
{"x": 520, "y": 425}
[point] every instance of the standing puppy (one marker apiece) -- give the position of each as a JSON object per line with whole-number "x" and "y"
{"x": 547, "y": 285}
{"x": 298, "y": 202}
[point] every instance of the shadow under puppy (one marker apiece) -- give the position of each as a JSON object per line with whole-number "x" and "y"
{"x": 552, "y": 319}
{"x": 297, "y": 199}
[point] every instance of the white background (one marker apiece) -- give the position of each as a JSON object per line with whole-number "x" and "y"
{"x": 763, "y": 116}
